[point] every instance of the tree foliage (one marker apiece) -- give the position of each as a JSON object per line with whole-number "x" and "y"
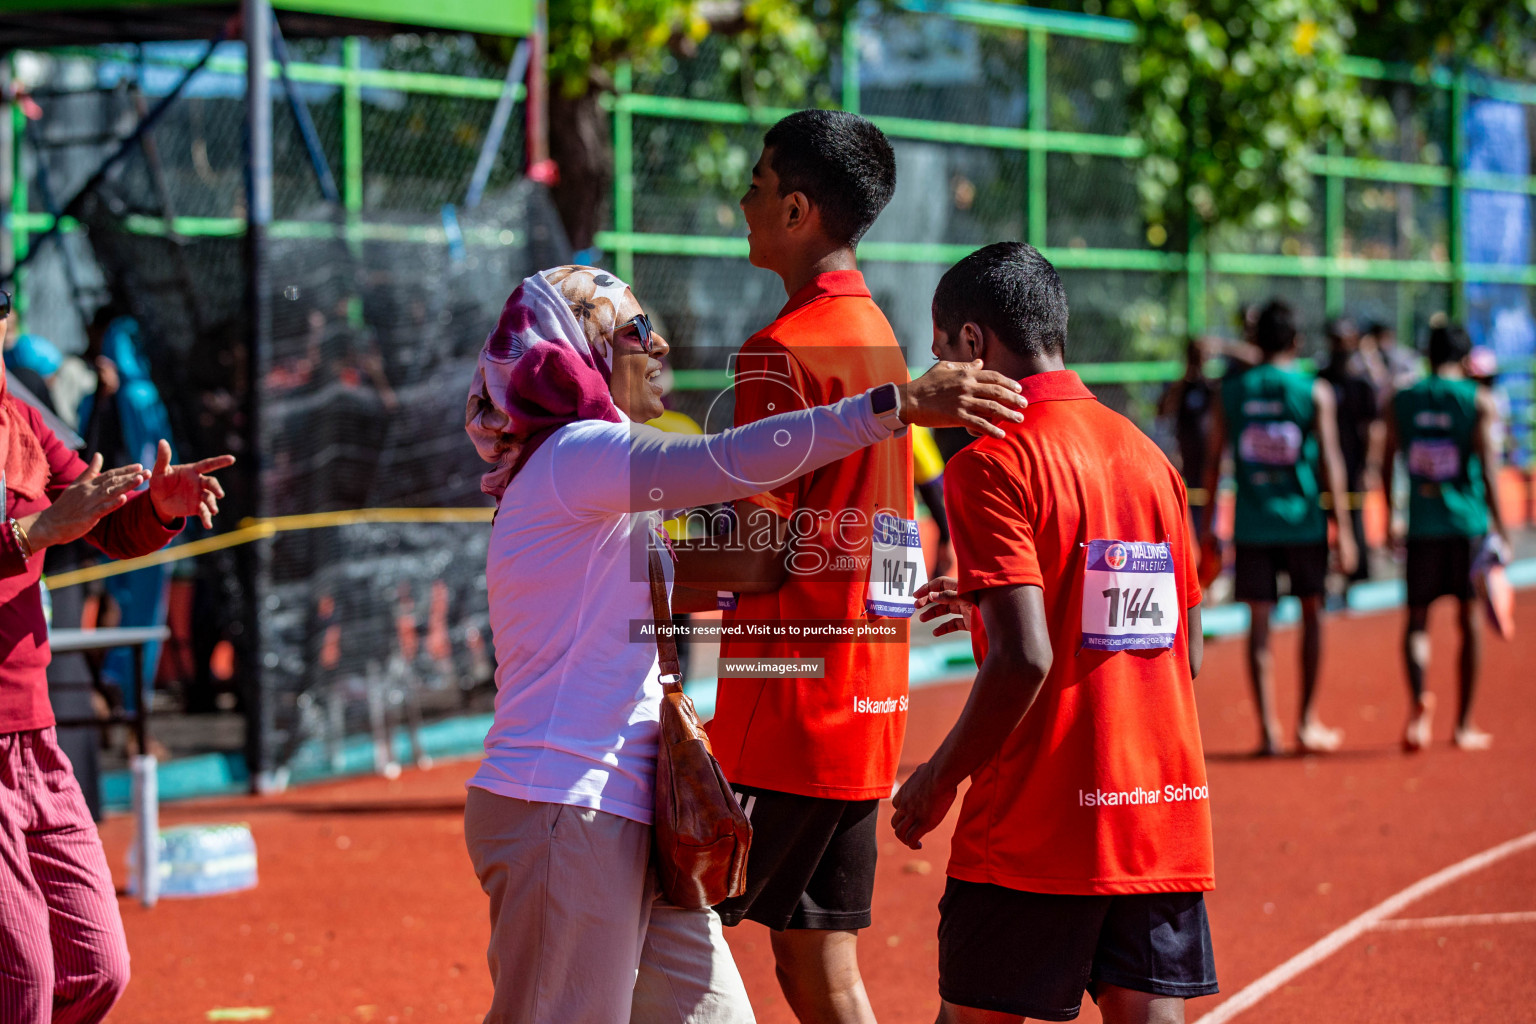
{"x": 1490, "y": 36}
{"x": 1232, "y": 96}
{"x": 777, "y": 44}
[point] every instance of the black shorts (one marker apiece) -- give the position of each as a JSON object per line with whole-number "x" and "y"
{"x": 812, "y": 863}
{"x": 1035, "y": 955}
{"x": 1258, "y": 565}
{"x": 1440, "y": 567}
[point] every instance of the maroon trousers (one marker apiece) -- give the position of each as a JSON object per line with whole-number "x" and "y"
{"x": 63, "y": 955}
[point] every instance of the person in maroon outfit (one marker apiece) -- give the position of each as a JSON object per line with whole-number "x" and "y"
{"x": 63, "y": 955}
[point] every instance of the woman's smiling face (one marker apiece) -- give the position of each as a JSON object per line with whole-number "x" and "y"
{"x": 636, "y": 381}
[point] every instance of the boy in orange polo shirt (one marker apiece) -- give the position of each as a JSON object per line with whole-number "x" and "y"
{"x": 810, "y": 758}
{"x": 1084, "y": 842}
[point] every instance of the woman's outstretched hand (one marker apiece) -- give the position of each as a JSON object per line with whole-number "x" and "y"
{"x": 963, "y": 395}
{"x": 186, "y": 490}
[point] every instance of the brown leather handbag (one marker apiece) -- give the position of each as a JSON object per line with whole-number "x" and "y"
{"x": 702, "y": 836}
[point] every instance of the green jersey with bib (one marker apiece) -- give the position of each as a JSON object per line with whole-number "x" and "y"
{"x": 1436, "y": 429}
{"x": 1271, "y": 420}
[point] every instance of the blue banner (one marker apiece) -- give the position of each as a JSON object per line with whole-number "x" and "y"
{"x": 1498, "y": 230}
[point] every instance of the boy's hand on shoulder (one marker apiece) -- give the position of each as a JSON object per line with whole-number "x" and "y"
{"x": 939, "y": 597}
{"x": 921, "y": 803}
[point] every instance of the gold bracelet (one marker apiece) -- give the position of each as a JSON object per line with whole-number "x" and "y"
{"x": 19, "y": 535}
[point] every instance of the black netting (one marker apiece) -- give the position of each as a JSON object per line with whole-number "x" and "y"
{"x": 1136, "y": 402}
{"x": 1405, "y": 306}
{"x": 958, "y": 195}
{"x": 921, "y": 66}
{"x": 1092, "y": 201}
{"x": 1123, "y": 316}
{"x": 1087, "y": 87}
{"x": 420, "y": 151}
{"x": 363, "y": 407}
{"x": 689, "y": 175}
{"x": 198, "y": 143}
{"x": 684, "y": 295}
{"x": 1303, "y": 240}
{"x": 359, "y": 398}
{"x": 698, "y": 76}
{"x": 714, "y": 71}
{"x": 905, "y": 293}
{"x": 1231, "y": 293}
{"x": 1386, "y": 221}
{"x": 1423, "y": 116}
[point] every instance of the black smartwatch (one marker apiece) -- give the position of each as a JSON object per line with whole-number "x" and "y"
{"x": 885, "y": 402}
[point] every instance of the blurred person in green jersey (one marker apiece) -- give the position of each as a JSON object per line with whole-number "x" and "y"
{"x": 1285, "y": 446}
{"x": 1445, "y": 427}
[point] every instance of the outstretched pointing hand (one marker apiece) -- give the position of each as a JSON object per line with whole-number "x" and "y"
{"x": 186, "y": 490}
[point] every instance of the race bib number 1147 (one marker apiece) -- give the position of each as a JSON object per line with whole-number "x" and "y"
{"x": 1130, "y": 596}
{"x": 896, "y": 567}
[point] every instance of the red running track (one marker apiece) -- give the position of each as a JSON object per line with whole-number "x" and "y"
{"x": 368, "y": 909}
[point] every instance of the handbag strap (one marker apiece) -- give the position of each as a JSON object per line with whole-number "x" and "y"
{"x": 661, "y": 615}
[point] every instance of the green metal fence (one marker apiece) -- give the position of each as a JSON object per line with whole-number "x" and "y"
{"x": 1039, "y": 139}
{"x": 400, "y": 140}
{"x": 1388, "y": 245}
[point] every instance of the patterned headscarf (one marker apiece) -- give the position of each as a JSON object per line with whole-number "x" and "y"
{"x": 546, "y": 364}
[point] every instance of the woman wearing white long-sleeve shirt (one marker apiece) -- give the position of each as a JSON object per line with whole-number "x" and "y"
{"x": 558, "y": 815}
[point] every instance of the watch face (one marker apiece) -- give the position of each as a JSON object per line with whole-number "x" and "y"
{"x": 883, "y": 399}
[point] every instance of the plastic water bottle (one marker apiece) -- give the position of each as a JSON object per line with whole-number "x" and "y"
{"x": 201, "y": 860}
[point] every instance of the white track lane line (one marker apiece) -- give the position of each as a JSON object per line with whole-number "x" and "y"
{"x": 1406, "y": 924}
{"x": 1342, "y": 936}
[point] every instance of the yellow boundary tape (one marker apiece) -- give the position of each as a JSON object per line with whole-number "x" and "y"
{"x": 1198, "y": 495}
{"x": 251, "y": 530}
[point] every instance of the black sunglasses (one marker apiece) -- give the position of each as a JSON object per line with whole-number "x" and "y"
{"x": 5, "y": 305}
{"x": 643, "y": 329}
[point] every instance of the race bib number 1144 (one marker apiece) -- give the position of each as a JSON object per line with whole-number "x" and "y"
{"x": 1130, "y": 596}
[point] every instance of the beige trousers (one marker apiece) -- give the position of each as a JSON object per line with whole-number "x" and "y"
{"x": 579, "y": 931}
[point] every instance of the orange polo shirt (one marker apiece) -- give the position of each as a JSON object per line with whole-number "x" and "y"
{"x": 1102, "y": 787}
{"x": 838, "y": 736}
